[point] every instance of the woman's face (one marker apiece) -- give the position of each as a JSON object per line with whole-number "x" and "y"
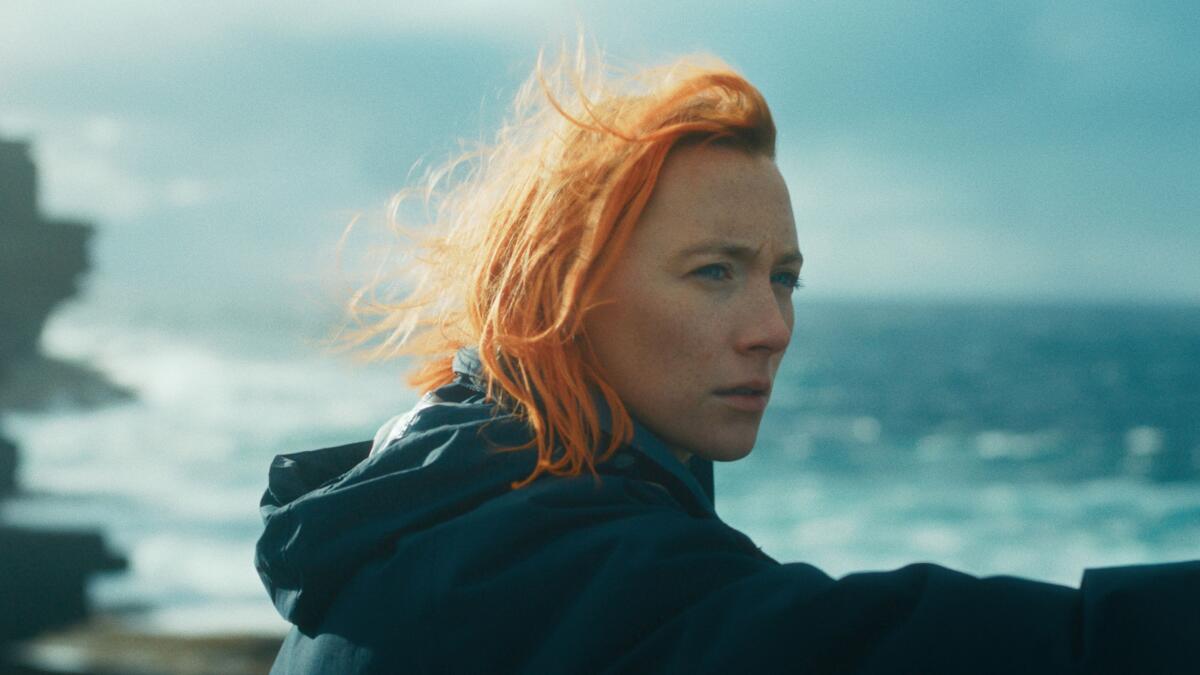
{"x": 695, "y": 317}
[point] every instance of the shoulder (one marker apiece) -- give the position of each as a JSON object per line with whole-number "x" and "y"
{"x": 594, "y": 563}
{"x": 559, "y": 527}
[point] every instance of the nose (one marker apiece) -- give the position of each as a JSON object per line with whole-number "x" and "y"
{"x": 766, "y": 323}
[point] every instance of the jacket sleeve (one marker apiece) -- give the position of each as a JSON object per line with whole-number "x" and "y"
{"x": 919, "y": 619}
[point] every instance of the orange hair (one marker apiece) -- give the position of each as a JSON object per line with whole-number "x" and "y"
{"x": 524, "y": 240}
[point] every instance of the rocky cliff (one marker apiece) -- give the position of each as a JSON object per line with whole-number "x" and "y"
{"x": 43, "y": 573}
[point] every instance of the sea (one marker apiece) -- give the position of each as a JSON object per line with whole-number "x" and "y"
{"x": 1028, "y": 439}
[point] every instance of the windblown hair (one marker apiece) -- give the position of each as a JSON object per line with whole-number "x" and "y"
{"x": 522, "y": 242}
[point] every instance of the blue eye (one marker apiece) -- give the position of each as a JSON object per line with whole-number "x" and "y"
{"x": 788, "y": 280}
{"x": 716, "y": 272}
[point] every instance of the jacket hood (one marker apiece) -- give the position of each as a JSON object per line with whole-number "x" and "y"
{"x": 327, "y": 512}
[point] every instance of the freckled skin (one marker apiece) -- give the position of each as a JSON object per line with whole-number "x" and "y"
{"x": 672, "y": 330}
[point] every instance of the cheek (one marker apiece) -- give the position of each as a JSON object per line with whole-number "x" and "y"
{"x": 654, "y": 340}
{"x": 692, "y": 330}
{"x": 675, "y": 342}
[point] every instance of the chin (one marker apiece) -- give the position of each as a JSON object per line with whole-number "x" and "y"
{"x": 717, "y": 443}
{"x": 728, "y": 455}
{"x": 727, "y": 452}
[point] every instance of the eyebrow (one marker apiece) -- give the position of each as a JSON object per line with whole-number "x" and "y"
{"x": 736, "y": 251}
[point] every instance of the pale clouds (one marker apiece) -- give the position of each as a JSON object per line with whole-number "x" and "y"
{"x": 82, "y": 173}
{"x": 1107, "y": 49}
{"x": 958, "y": 149}
{"x": 36, "y": 34}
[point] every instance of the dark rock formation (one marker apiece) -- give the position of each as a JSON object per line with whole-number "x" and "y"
{"x": 41, "y": 382}
{"x": 43, "y": 573}
{"x": 8, "y": 467}
{"x": 43, "y": 576}
{"x": 41, "y": 261}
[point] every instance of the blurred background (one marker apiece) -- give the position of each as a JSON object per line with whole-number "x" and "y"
{"x": 997, "y": 358}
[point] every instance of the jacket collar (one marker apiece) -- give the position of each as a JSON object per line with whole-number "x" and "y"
{"x": 696, "y": 477}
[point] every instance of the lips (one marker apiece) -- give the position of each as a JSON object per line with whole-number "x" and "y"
{"x": 747, "y": 397}
{"x": 742, "y": 391}
{"x": 752, "y": 388}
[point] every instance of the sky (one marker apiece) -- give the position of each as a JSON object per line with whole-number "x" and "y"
{"x": 946, "y": 150}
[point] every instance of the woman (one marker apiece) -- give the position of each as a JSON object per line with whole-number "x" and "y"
{"x": 601, "y": 319}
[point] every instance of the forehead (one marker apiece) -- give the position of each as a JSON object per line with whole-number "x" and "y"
{"x": 718, "y": 192}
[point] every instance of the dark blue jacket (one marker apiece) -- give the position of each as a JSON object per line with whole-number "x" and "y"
{"x": 421, "y": 559}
